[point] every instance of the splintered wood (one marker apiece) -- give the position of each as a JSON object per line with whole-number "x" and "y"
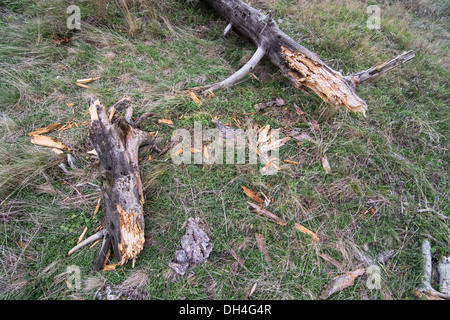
{"x": 325, "y": 82}
{"x": 302, "y": 229}
{"x": 263, "y": 212}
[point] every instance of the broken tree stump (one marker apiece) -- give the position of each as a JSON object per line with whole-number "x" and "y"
{"x": 117, "y": 143}
{"x": 301, "y": 66}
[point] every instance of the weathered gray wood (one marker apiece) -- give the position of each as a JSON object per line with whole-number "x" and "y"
{"x": 117, "y": 144}
{"x": 301, "y": 66}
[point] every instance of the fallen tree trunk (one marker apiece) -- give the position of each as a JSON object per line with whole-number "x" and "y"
{"x": 301, "y": 66}
{"x": 117, "y": 143}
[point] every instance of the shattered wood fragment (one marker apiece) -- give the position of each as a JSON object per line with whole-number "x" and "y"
{"x": 261, "y": 242}
{"x": 97, "y": 207}
{"x": 48, "y": 142}
{"x": 166, "y": 121}
{"x": 263, "y": 212}
{"x": 252, "y": 195}
{"x": 340, "y": 283}
{"x": 87, "y": 80}
{"x": 51, "y": 127}
{"x": 302, "y": 229}
{"x": 82, "y": 235}
{"x": 194, "y": 98}
{"x": 81, "y": 85}
{"x": 290, "y": 161}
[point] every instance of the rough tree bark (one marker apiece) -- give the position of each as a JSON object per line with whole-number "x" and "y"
{"x": 117, "y": 142}
{"x": 301, "y": 66}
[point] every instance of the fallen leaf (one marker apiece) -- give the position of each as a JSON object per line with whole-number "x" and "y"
{"x": 252, "y": 290}
{"x": 48, "y": 142}
{"x": 314, "y": 125}
{"x": 237, "y": 258}
{"x": 252, "y": 195}
{"x": 299, "y": 111}
{"x": 301, "y": 228}
{"x": 70, "y": 105}
{"x": 331, "y": 260}
{"x": 326, "y": 165}
{"x": 340, "y": 283}
{"x": 50, "y": 127}
{"x": 261, "y": 242}
{"x": 22, "y": 244}
{"x": 370, "y": 211}
{"x": 59, "y": 40}
{"x": 263, "y": 212}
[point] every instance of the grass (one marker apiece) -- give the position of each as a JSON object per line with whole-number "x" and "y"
{"x": 396, "y": 158}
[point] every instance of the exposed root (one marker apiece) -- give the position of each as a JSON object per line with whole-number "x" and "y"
{"x": 99, "y": 235}
{"x": 238, "y": 75}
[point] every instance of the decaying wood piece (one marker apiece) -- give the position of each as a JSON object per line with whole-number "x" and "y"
{"x": 425, "y": 290}
{"x": 195, "y": 248}
{"x": 117, "y": 145}
{"x": 301, "y": 66}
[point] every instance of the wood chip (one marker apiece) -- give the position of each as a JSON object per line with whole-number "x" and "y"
{"x": 82, "y": 235}
{"x": 195, "y": 98}
{"x": 81, "y": 85}
{"x": 87, "y": 80}
{"x": 252, "y": 195}
{"x": 97, "y": 207}
{"x": 290, "y": 161}
{"x": 50, "y": 127}
{"x": 261, "y": 242}
{"x": 263, "y": 212}
{"x": 166, "y": 121}
{"x": 109, "y": 267}
{"x": 48, "y": 142}
{"x": 340, "y": 283}
{"x": 302, "y": 229}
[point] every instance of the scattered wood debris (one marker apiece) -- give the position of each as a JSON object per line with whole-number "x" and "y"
{"x": 226, "y": 131}
{"x": 195, "y": 248}
{"x": 166, "y": 121}
{"x": 340, "y": 283}
{"x": 276, "y": 102}
{"x": 87, "y": 80}
{"x": 252, "y": 195}
{"x": 194, "y": 97}
{"x": 263, "y": 212}
{"x": 82, "y": 235}
{"x": 50, "y": 127}
{"x": 81, "y": 85}
{"x": 48, "y": 142}
{"x": 302, "y": 229}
